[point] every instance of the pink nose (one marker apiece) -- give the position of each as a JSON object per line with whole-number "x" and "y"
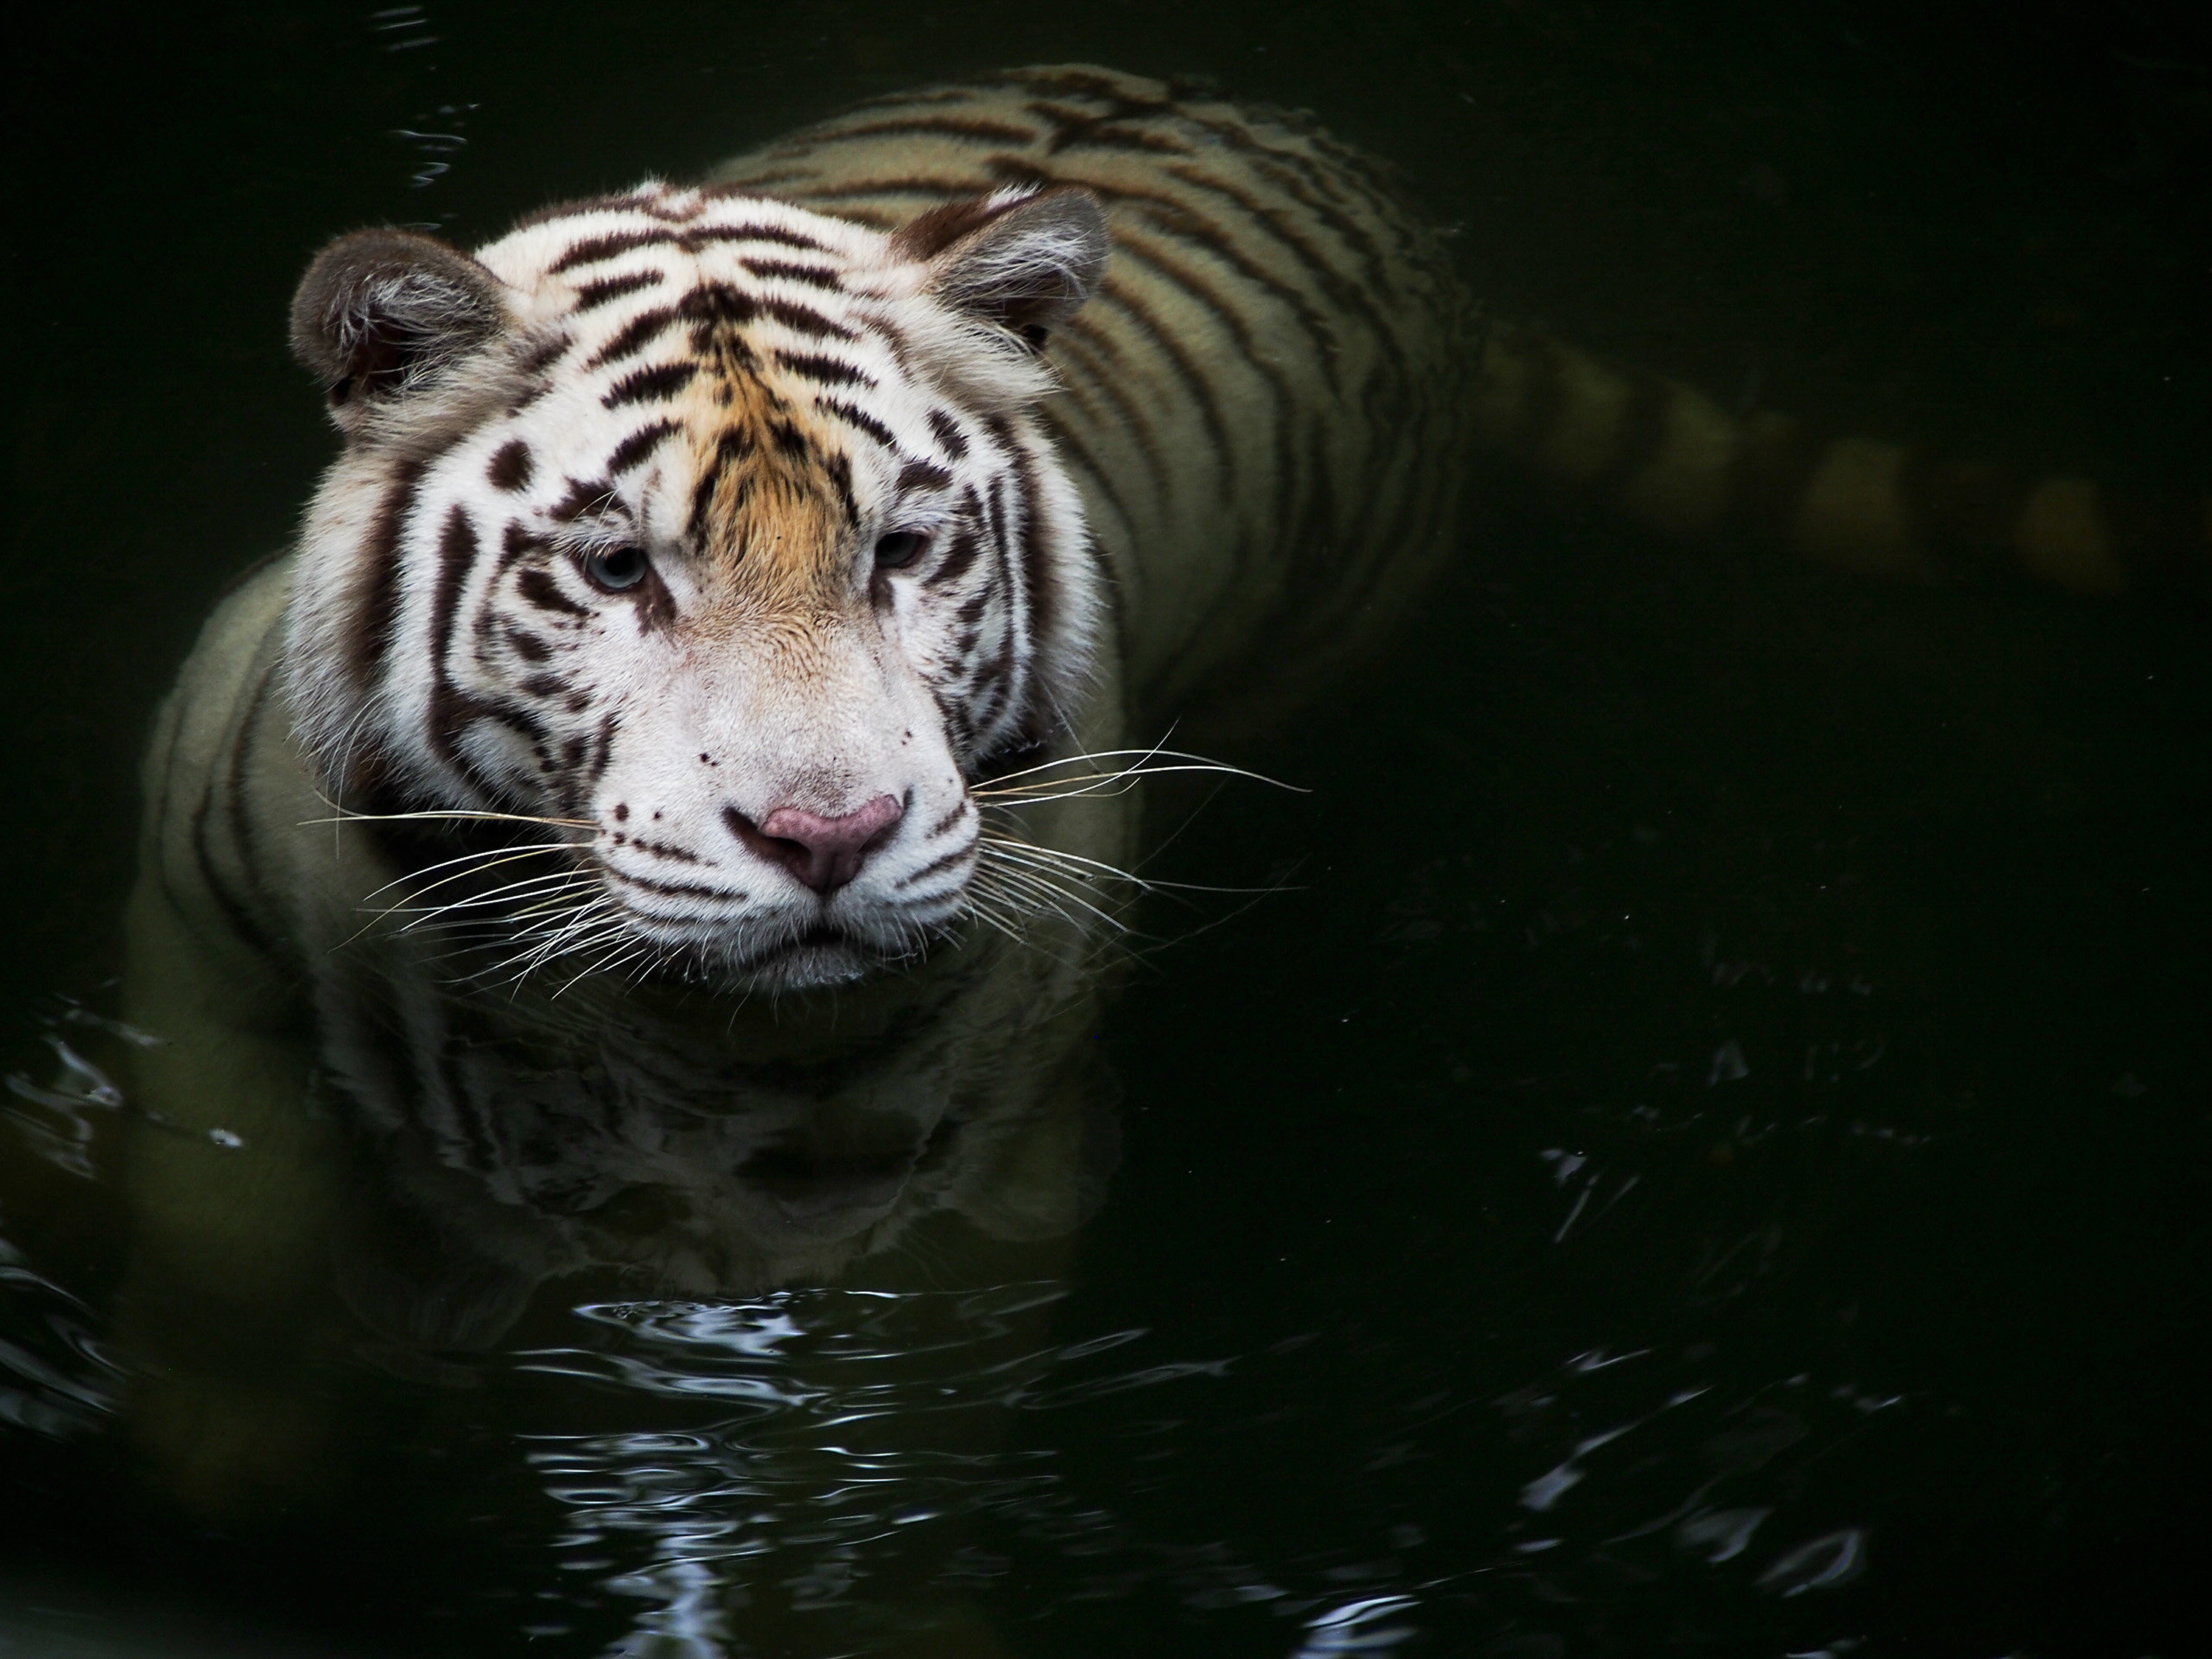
{"x": 824, "y": 852}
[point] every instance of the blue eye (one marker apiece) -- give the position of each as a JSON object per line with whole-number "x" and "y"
{"x": 616, "y": 568}
{"x": 900, "y": 549}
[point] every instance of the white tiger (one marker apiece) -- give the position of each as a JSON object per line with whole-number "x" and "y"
{"x": 685, "y": 684}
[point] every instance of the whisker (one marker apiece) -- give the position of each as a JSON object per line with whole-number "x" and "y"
{"x": 473, "y": 858}
{"x": 549, "y": 888}
{"x": 1056, "y": 858}
{"x": 1014, "y": 881}
{"x": 1026, "y": 852}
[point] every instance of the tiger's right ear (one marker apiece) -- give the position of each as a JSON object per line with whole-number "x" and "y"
{"x": 383, "y": 313}
{"x": 1022, "y": 259}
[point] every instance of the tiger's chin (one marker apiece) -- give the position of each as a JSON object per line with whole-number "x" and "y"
{"x": 817, "y": 959}
{"x": 821, "y": 958}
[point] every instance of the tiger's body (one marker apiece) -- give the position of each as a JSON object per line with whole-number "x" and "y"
{"x": 713, "y": 600}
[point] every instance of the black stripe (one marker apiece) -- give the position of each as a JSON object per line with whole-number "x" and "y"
{"x": 1290, "y": 477}
{"x": 515, "y": 541}
{"x": 656, "y": 384}
{"x": 1094, "y": 354}
{"x": 541, "y": 590}
{"x": 640, "y": 443}
{"x": 1185, "y": 225}
{"x": 923, "y": 475}
{"x": 1085, "y": 131}
{"x": 1040, "y": 587}
{"x": 799, "y": 319}
{"x": 948, "y": 434}
{"x": 585, "y": 499}
{"x": 379, "y": 599}
{"x": 1201, "y": 389}
{"x": 668, "y": 888}
{"x": 603, "y": 748}
{"x": 591, "y": 251}
{"x": 1064, "y": 438}
{"x": 859, "y": 418}
{"x": 813, "y": 276}
{"x": 1002, "y": 547}
{"x": 716, "y": 305}
{"x": 1341, "y": 290}
{"x": 730, "y": 446}
{"x": 596, "y": 294}
{"x": 510, "y": 466}
{"x": 241, "y": 919}
{"x": 633, "y": 337}
{"x": 527, "y": 646}
{"x": 543, "y": 353}
{"x": 948, "y": 860}
{"x": 970, "y": 128}
{"x": 839, "y": 469}
{"x": 775, "y": 233}
{"x": 826, "y": 371}
{"x": 451, "y": 709}
{"x": 967, "y": 543}
{"x": 457, "y": 553}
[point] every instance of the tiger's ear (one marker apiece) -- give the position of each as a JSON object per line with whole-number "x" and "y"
{"x": 382, "y": 313}
{"x": 1023, "y": 261}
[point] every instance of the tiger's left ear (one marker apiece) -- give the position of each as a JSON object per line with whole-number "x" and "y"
{"x": 1021, "y": 260}
{"x": 383, "y": 314}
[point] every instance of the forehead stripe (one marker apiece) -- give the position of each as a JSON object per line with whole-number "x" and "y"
{"x": 593, "y": 250}
{"x": 813, "y": 276}
{"x": 948, "y": 434}
{"x": 800, "y": 321}
{"x": 650, "y": 386}
{"x": 858, "y": 418}
{"x": 633, "y": 450}
{"x": 594, "y": 293}
{"x": 828, "y": 371}
{"x": 640, "y": 332}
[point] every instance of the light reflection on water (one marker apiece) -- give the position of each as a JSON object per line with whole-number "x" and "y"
{"x": 851, "y": 1445}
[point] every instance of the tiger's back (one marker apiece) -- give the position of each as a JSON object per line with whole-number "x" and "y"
{"x": 1266, "y": 402}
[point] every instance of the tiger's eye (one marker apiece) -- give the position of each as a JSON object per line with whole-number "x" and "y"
{"x": 900, "y": 549}
{"x": 617, "y": 568}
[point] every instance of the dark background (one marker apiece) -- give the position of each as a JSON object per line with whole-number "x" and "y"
{"x": 1619, "y": 822}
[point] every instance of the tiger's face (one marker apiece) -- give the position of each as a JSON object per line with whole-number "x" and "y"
{"x": 720, "y": 532}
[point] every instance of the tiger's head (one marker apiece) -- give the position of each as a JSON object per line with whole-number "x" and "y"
{"x": 723, "y": 530}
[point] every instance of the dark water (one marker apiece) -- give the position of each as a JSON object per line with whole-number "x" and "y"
{"x": 1713, "y": 1155}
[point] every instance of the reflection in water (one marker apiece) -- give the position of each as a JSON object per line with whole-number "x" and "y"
{"x": 866, "y": 1466}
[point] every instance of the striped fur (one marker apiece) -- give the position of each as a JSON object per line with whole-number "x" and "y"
{"x": 1222, "y": 474}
